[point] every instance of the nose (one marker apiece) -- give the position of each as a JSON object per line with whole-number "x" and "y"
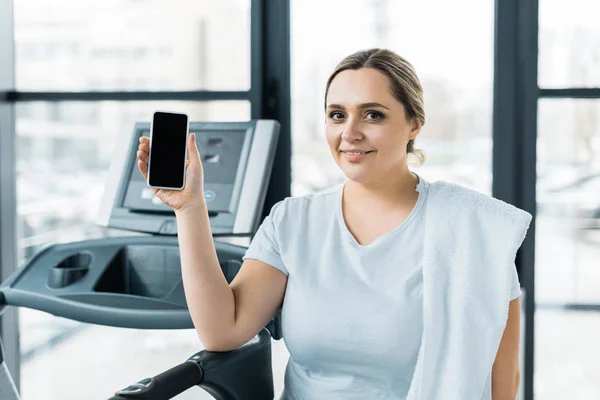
{"x": 352, "y": 132}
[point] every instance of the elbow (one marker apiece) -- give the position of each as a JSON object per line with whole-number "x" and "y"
{"x": 217, "y": 348}
{"x": 218, "y": 344}
{"x": 224, "y": 344}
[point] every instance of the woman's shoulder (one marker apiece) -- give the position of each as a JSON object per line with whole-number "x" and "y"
{"x": 459, "y": 197}
{"x": 456, "y": 192}
{"x": 326, "y": 195}
{"x": 316, "y": 202}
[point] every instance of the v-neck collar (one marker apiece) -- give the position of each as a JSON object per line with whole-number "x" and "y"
{"x": 344, "y": 227}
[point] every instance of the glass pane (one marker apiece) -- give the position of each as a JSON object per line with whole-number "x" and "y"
{"x": 132, "y": 45}
{"x": 568, "y": 194}
{"x": 452, "y": 52}
{"x": 64, "y": 150}
{"x": 569, "y": 43}
{"x": 63, "y": 154}
{"x": 566, "y": 355}
{"x": 567, "y": 248}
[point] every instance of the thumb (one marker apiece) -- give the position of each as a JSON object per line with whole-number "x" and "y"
{"x": 193, "y": 153}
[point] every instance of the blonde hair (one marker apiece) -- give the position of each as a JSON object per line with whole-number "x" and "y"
{"x": 405, "y": 84}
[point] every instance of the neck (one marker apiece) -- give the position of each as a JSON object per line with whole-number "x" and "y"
{"x": 392, "y": 190}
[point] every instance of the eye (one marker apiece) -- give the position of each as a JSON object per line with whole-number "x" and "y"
{"x": 336, "y": 115}
{"x": 374, "y": 115}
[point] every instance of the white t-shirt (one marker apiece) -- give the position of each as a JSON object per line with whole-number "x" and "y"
{"x": 352, "y": 315}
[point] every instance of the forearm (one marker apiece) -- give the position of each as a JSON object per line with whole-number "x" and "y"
{"x": 505, "y": 388}
{"x": 210, "y": 299}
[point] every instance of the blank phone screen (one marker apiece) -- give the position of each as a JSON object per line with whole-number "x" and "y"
{"x": 167, "y": 150}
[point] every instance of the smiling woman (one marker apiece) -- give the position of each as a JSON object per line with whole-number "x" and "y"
{"x": 378, "y": 73}
{"x": 359, "y": 255}
{"x": 375, "y": 111}
{"x": 367, "y": 255}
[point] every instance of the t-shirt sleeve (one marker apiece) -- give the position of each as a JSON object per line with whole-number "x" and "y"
{"x": 516, "y": 285}
{"x": 265, "y": 244}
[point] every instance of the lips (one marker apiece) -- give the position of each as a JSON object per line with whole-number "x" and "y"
{"x": 356, "y": 157}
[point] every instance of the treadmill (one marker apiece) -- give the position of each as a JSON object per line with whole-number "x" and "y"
{"x": 135, "y": 281}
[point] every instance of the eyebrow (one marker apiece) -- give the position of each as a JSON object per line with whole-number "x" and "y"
{"x": 360, "y": 106}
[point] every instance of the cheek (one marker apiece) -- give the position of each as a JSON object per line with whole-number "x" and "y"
{"x": 332, "y": 136}
{"x": 390, "y": 145}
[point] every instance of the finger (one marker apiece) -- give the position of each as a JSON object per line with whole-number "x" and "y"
{"x": 143, "y": 167}
{"x": 145, "y": 148}
{"x": 145, "y": 140}
{"x": 142, "y": 156}
{"x": 193, "y": 153}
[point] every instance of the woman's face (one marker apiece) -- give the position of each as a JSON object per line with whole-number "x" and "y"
{"x": 366, "y": 126}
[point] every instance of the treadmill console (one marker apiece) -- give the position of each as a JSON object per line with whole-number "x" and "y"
{"x": 237, "y": 158}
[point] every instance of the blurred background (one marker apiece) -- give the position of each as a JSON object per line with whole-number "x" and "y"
{"x": 530, "y": 92}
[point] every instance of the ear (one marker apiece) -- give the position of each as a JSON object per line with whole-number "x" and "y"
{"x": 416, "y": 128}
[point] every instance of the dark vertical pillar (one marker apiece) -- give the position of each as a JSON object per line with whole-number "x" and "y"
{"x": 270, "y": 91}
{"x": 515, "y": 137}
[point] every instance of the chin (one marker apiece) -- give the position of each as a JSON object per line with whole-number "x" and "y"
{"x": 359, "y": 175}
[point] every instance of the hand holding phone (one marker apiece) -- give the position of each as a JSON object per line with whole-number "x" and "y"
{"x": 176, "y": 181}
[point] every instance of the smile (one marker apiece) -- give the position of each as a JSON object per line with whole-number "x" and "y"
{"x": 357, "y": 152}
{"x": 356, "y": 155}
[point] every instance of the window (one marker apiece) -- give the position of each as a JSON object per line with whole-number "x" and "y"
{"x": 569, "y": 44}
{"x": 187, "y": 45}
{"x": 567, "y": 248}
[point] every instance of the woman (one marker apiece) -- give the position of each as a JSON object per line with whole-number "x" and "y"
{"x": 376, "y": 304}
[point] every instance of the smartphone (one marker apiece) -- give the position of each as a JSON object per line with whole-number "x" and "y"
{"x": 168, "y": 150}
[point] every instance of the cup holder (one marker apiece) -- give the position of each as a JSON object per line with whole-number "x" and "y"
{"x": 69, "y": 270}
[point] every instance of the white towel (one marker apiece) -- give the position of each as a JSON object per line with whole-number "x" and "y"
{"x": 471, "y": 241}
